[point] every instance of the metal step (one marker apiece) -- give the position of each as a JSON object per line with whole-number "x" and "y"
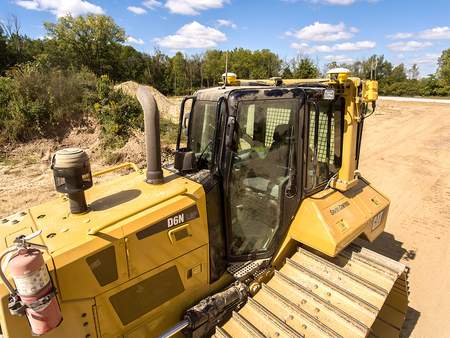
{"x": 242, "y": 270}
{"x": 364, "y": 294}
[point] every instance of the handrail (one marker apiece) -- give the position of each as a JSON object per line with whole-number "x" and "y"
{"x": 117, "y": 167}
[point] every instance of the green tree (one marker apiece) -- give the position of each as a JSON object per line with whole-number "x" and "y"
{"x": 179, "y": 77}
{"x": 398, "y": 73}
{"x": 265, "y": 64}
{"x": 305, "y": 68}
{"x": 213, "y": 67}
{"x": 443, "y": 71}
{"x": 93, "y": 41}
{"x": 413, "y": 72}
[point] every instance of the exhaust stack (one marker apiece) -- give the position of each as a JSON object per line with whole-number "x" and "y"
{"x": 152, "y": 135}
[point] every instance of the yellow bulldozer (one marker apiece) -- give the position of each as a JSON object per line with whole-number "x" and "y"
{"x": 257, "y": 229}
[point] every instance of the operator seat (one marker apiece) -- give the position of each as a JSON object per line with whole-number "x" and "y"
{"x": 278, "y": 155}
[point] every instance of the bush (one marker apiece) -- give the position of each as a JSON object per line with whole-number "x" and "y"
{"x": 117, "y": 112}
{"x": 41, "y": 102}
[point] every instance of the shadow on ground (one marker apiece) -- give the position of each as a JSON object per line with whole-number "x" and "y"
{"x": 412, "y": 316}
{"x": 388, "y": 246}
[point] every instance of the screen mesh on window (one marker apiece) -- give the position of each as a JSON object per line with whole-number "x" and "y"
{"x": 322, "y": 136}
{"x": 275, "y": 117}
{"x": 324, "y": 142}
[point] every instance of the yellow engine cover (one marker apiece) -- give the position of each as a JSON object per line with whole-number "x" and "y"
{"x": 330, "y": 220}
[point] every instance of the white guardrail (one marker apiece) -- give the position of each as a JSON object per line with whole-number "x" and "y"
{"x": 413, "y": 99}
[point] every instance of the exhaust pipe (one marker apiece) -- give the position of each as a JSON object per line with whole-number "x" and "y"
{"x": 152, "y": 135}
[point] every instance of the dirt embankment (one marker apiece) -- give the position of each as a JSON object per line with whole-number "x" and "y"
{"x": 168, "y": 108}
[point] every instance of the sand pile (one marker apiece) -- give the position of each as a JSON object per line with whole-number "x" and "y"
{"x": 167, "y": 108}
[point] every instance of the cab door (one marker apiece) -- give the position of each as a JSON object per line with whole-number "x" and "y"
{"x": 262, "y": 142}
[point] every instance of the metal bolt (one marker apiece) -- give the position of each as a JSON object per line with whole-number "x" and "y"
{"x": 4, "y": 220}
{"x": 14, "y": 221}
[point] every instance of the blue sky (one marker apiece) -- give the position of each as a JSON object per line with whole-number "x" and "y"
{"x": 408, "y": 31}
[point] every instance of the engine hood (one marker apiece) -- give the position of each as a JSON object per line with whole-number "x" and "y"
{"x": 109, "y": 203}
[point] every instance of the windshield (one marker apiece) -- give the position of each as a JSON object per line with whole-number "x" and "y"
{"x": 202, "y": 129}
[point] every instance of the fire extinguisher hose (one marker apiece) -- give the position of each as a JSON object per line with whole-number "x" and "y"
{"x": 10, "y": 252}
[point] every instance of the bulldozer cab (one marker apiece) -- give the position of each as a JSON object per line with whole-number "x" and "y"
{"x": 266, "y": 148}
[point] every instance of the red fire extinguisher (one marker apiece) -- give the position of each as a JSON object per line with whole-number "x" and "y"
{"x": 34, "y": 295}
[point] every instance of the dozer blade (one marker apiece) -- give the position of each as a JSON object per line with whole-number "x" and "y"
{"x": 357, "y": 294}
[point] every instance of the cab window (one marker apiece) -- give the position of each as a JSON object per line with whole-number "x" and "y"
{"x": 324, "y": 147}
{"x": 202, "y": 129}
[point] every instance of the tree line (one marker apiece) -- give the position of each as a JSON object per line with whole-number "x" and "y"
{"x": 98, "y": 44}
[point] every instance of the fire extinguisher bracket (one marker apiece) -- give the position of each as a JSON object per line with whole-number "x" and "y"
{"x": 16, "y": 306}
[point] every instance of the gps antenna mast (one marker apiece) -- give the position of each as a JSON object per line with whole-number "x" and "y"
{"x": 225, "y": 80}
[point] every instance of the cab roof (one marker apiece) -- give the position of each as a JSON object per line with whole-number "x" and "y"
{"x": 214, "y": 93}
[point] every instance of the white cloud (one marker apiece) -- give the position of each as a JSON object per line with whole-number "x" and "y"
{"x": 193, "y": 7}
{"x": 151, "y": 4}
{"x": 436, "y": 33}
{"x": 62, "y": 7}
{"x": 409, "y": 46}
{"x": 346, "y": 46}
{"x": 307, "y": 49}
{"x": 136, "y": 10}
{"x": 192, "y": 35}
{"x": 339, "y": 58}
{"x": 429, "y": 58}
{"x": 352, "y": 46}
{"x": 226, "y": 23}
{"x": 324, "y": 32}
{"x": 399, "y": 36}
{"x": 135, "y": 41}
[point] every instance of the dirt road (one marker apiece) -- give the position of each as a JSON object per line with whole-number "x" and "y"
{"x": 406, "y": 154}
